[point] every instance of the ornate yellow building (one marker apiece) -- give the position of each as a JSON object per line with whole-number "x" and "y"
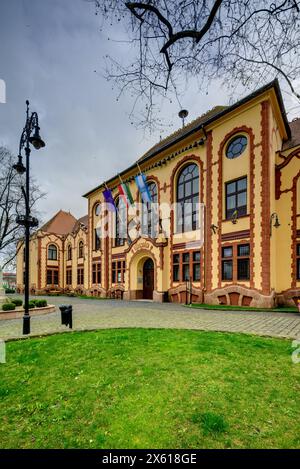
{"x": 241, "y": 247}
{"x": 54, "y": 248}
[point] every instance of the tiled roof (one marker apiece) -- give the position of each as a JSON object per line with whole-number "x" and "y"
{"x": 184, "y": 130}
{"x": 294, "y": 140}
{"x": 62, "y": 223}
{"x": 81, "y": 221}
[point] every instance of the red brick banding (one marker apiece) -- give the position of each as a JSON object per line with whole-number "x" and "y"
{"x": 265, "y": 198}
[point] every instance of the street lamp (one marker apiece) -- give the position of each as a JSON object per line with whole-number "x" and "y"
{"x": 31, "y": 125}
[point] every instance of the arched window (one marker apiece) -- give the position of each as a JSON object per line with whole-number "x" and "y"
{"x": 150, "y": 213}
{"x": 121, "y": 222}
{"x": 69, "y": 252}
{"x": 52, "y": 252}
{"x": 80, "y": 249}
{"x": 97, "y": 210}
{"x": 188, "y": 199}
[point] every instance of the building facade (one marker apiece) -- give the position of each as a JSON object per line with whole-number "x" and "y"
{"x": 58, "y": 256}
{"x": 241, "y": 247}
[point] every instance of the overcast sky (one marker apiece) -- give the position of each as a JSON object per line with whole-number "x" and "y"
{"x": 49, "y": 51}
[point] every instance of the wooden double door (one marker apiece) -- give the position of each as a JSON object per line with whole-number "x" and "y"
{"x": 148, "y": 279}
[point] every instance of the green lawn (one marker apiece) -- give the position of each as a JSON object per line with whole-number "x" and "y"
{"x": 283, "y": 309}
{"x": 139, "y": 388}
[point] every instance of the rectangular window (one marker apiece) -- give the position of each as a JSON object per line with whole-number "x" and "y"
{"x": 196, "y": 266}
{"x": 69, "y": 277}
{"x": 80, "y": 276}
{"x": 227, "y": 263}
{"x": 243, "y": 262}
{"x": 52, "y": 276}
{"x": 96, "y": 272}
{"x": 298, "y": 261}
{"x": 185, "y": 266}
{"x": 49, "y": 277}
{"x": 118, "y": 272}
{"x": 176, "y": 267}
{"x": 236, "y": 198}
{"x": 97, "y": 239}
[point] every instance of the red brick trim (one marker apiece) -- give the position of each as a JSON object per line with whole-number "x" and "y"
{"x": 179, "y": 166}
{"x": 39, "y": 263}
{"x": 289, "y": 158}
{"x": 294, "y": 229}
{"x": 189, "y": 245}
{"x": 265, "y": 198}
{"x": 121, "y": 255}
{"x": 251, "y": 185}
{"x": 234, "y": 235}
{"x": 207, "y": 273}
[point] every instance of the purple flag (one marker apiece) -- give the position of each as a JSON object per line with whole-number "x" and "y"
{"x": 109, "y": 200}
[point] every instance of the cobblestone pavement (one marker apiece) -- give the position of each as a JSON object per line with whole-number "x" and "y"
{"x": 104, "y": 314}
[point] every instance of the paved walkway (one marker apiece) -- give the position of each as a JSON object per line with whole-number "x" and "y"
{"x": 104, "y": 314}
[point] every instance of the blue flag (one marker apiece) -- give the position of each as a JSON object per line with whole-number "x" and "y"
{"x": 140, "y": 180}
{"x": 109, "y": 200}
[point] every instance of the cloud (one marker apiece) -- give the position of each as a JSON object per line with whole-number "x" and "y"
{"x": 49, "y": 52}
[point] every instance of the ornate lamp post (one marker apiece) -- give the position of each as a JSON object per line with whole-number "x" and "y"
{"x": 31, "y": 125}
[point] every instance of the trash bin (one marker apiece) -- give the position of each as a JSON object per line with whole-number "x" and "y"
{"x": 66, "y": 315}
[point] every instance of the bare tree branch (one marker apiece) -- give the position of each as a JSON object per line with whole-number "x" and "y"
{"x": 12, "y": 204}
{"x": 241, "y": 42}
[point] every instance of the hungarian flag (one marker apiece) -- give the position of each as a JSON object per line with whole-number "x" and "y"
{"x": 109, "y": 200}
{"x": 125, "y": 193}
{"x": 140, "y": 180}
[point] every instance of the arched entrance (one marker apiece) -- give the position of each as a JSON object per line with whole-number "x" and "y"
{"x": 148, "y": 279}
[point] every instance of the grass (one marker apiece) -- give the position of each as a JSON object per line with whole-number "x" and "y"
{"x": 283, "y": 309}
{"x": 141, "y": 388}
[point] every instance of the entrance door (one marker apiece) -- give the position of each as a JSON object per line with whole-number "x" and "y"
{"x": 148, "y": 279}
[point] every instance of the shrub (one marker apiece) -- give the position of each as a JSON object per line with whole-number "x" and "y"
{"x": 40, "y": 303}
{"x": 17, "y": 301}
{"x": 9, "y": 290}
{"x": 31, "y": 305}
{"x": 8, "y": 306}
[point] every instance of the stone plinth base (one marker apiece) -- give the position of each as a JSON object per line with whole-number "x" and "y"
{"x": 19, "y": 313}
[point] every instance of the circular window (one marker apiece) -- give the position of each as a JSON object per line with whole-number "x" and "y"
{"x": 97, "y": 210}
{"x": 236, "y": 146}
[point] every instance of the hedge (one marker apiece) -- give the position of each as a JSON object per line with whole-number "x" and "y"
{"x": 40, "y": 303}
{"x": 9, "y": 290}
{"x": 17, "y": 301}
{"x": 8, "y": 307}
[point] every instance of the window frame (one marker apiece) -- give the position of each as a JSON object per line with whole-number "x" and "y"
{"x": 53, "y": 272}
{"x": 182, "y": 225}
{"x": 118, "y": 241}
{"x": 242, "y": 211}
{"x": 118, "y": 267}
{"x": 68, "y": 276}
{"x": 52, "y": 248}
{"x": 150, "y": 213}
{"x": 80, "y": 275}
{"x": 227, "y": 259}
{"x": 229, "y": 143}
{"x": 80, "y": 249}
{"x": 97, "y": 240}
{"x": 181, "y": 263}
{"x": 240, "y": 258}
{"x": 69, "y": 252}
{"x": 96, "y": 273}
